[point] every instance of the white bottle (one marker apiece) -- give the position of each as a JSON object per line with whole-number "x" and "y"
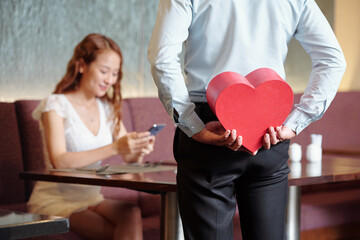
{"x": 314, "y": 150}
{"x": 295, "y": 152}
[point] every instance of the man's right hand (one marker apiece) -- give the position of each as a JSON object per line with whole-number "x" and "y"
{"x": 215, "y": 134}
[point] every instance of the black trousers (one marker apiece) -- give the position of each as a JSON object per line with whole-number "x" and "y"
{"x": 212, "y": 179}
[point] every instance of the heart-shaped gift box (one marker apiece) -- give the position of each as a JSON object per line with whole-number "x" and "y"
{"x": 250, "y": 104}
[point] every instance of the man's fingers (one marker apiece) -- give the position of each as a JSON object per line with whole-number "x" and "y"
{"x": 237, "y": 144}
{"x": 232, "y": 138}
{"x": 266, "y": 141}
{"x": 226, "y": 134}
{"x": 280, "y": 134}
{"x": 273, "y": 137}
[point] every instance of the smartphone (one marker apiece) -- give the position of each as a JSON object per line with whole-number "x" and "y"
{"x": 156, "y": 128}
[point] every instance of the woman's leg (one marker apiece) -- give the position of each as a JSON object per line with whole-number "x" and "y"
{"x": 109, "y": 220}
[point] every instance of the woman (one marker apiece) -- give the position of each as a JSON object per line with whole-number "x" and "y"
{"x": 81, "y": 125}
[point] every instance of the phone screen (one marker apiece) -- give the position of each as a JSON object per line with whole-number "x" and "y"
{"x": 156, "y": 128}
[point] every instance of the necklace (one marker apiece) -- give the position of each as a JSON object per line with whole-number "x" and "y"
{"x": 88, "y": 110}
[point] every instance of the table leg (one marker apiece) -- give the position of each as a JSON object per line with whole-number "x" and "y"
{"x": 293, "y": 213}
{"x": 171, "y": 227}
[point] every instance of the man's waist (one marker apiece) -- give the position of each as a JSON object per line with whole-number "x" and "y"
{"x": 198, "y": 98}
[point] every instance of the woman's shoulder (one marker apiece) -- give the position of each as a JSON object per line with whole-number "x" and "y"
{"x": 55, "y": 102}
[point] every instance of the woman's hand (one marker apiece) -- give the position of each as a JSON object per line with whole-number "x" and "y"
{"x": 215, "y": 134}
{"x": 277, "y": 135}
{"x": 134, "y": 146}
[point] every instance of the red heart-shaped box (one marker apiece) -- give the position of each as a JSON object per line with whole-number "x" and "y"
{"x": 250, "y": 104}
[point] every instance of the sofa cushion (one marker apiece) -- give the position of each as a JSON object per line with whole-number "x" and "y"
{"x": 17, "y": 207}
{"x": 146, "y": 112}
{"x": 127, "y": 116}
{"x": 339, "y": 126}
{"x": 12, "y": 189}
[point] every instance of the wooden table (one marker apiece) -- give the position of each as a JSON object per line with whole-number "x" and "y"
{"x": 349, "y": 150}
{"x": 162, "y": 182}
{"x": 19, "y": 225}
{"x": 332, "y": 169}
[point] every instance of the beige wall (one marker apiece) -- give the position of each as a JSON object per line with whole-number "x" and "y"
{"x": 37, "y": 38}
{"x": 344, "y": 17}
{"x": 347, "y": 29}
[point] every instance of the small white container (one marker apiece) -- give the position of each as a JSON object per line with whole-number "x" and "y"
{"x": 295, "y": 152}
{"x": 313, "y": 153}
{"x": 314, "y": 150}
{"x": 314, "y": 169}
{"x": 316, "y": 139}
{"x": 295, "y": 169}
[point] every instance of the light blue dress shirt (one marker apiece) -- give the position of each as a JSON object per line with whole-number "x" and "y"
{"x": 240, "y": 36}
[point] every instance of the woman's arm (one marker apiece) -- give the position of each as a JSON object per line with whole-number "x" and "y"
{"x": 134, "y": 157}
{"x": 132, "y": 146}
{"x": 56, "y": 145}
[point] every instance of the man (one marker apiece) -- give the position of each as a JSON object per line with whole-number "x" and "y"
{"x": 214, "y": 171}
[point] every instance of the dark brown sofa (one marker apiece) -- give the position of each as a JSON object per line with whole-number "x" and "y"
{"x": 325, "y": 205}
{"x": 21, "y": 149}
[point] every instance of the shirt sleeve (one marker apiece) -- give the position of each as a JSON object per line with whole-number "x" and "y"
{"x": 328, "y": 66}
{"x": 170, "y": 31}
{"x": 52, "y": 102}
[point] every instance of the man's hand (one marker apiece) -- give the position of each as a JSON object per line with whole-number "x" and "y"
{"x": 215, "y": 134}
{"x": 277, "y": 135}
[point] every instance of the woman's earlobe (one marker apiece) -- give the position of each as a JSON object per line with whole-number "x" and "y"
{"x": 81, "y": 66}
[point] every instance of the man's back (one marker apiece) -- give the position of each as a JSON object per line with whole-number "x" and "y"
{"x": 241, "y": 36}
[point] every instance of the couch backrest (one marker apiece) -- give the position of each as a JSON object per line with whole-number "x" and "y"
{"x": 146, "y": 112}
{"x": 30, "y": 137}
{"x": 138, "y": 115}
{"x": 11, "y": 187}
{"x": 339, "y": 125}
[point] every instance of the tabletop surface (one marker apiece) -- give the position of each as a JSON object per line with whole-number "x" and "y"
{"x": 348, "y": 150}
{"x": 330, "y": 169}
{"x": 161, "y": 181}
{"x": 18, "y": 225}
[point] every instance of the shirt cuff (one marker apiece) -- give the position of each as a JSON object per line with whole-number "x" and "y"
{"x": 297, "y": 121}
{"x": 191, "y": 125}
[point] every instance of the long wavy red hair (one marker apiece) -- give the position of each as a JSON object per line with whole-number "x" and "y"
{"x": 87, "y": 50}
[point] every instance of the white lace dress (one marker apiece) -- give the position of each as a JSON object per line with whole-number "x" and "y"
{"x": 62, "y": 199}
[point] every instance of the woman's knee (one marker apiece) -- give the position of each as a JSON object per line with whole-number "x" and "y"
{"x": 132, "y": 214}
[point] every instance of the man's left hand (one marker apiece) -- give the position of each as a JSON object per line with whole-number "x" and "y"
{"x": 276, "y": 135}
